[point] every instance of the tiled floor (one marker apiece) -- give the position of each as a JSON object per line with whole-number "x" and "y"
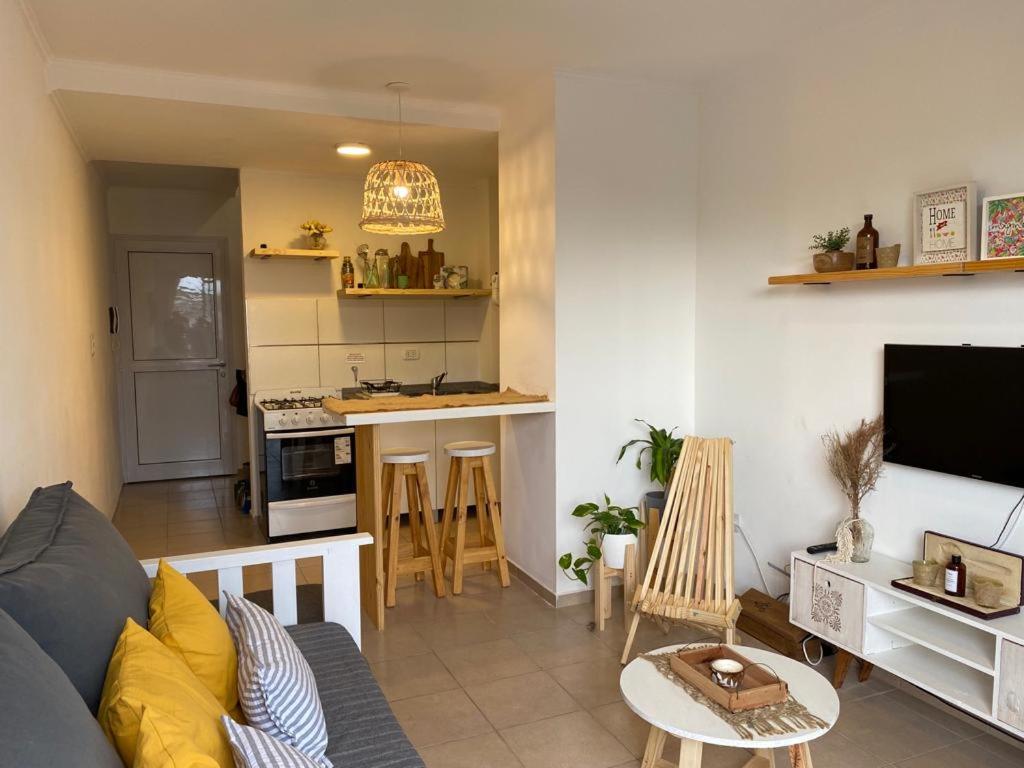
{"x": 496, "y": 678}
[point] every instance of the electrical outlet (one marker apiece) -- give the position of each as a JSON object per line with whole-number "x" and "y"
{"x": 411, "y": 354}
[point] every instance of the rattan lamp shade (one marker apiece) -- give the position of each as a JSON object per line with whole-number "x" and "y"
{"x": 416, "y": 213}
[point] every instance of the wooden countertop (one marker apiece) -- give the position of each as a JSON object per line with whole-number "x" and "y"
{"x": 391, "y": 410}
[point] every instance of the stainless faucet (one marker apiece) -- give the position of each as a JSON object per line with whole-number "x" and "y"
{"x": 435, "y": 383}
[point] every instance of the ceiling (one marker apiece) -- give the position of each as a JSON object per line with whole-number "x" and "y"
{"x": 463, "y": 50}
{"x": 143, "y": 130}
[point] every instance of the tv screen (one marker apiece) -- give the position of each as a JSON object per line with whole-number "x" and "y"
{"x": 958, "y": 410}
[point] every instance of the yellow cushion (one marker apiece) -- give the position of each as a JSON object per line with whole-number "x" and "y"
{"x": 187, "y": 623}
{"x": 163, "y": 744}
{"x": 143, "y": 674}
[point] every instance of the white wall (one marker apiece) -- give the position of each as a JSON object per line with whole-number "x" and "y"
{"x": 59, "y": 419}
{"x": 526, "y": 196}
{"x": 146, "y": 211}
{"x": 928, "y": 95}
{"x": 626, "y": 186}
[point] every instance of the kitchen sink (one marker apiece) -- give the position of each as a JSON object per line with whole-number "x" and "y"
{"x": 446, "y": 388}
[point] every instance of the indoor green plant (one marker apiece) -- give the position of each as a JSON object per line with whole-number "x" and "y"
{"x": 663, "y": 448}
{"x": 830, "y": 256}
{"x": 612, "y": 529}
{"x": 317, "y": 233}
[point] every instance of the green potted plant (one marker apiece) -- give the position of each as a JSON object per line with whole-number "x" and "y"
{"x": 662, "y": 448}
{"x": 612, "y": 529}
{"x": 830, "y": 256}
{"x": 316, "y": 232}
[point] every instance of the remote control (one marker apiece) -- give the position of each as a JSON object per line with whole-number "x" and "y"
{"x": 817, "y": 549}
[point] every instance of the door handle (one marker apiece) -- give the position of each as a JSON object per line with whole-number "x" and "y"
{"x": 216, "y": 365}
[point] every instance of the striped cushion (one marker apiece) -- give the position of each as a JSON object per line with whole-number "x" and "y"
{"x": 276, "y": 687}
{"x": 255, "y": 749}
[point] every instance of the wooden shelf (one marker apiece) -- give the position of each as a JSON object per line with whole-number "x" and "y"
{"x": 950, "y": 269}
{"x": 962, "y": 642}
{"x": 413, "y": 293}
{"x": 300, "y": 254}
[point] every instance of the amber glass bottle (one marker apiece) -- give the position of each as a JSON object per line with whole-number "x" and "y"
{"x": 867, "y": 244}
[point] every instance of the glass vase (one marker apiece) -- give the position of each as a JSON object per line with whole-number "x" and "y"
{"x": 863, "y": 535}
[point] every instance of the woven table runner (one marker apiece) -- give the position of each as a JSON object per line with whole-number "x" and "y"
{"x": 789, "y": 716}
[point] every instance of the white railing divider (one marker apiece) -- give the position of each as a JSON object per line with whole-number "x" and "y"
{"x": 341, "y": 575}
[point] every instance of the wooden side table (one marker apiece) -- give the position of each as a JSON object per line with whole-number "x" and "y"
{"x": 672, "y": 712}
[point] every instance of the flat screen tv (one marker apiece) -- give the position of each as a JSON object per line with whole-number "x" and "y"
{"x": 958, "y": 410}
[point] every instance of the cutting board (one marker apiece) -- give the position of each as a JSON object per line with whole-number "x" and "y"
{"x": 411, "y": 266}
{"x": 432, "y": 262}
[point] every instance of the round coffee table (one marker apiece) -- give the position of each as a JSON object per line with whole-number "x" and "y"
{"x": 671, "y": 711}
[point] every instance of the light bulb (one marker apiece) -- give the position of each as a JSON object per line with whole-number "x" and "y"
{"x": 352, "y": 149}
{"x": 400, "y": 191}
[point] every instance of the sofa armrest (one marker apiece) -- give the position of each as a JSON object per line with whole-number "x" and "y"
{"x": 340, "y": 564}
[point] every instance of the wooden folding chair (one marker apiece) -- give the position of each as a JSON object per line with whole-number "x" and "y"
{"x": 690, "y": 569}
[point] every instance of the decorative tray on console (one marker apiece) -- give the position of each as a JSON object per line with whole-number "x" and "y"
{"x": 981, "y": 561}
{"x": 759, "y": 686}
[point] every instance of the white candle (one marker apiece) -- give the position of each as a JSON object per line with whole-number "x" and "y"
{"x": 726, "y": 666}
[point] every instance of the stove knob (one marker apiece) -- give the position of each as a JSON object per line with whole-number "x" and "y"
{"x": 309, "y": 419}
{"x": 295, "y": 419}
{"x": 325, "y": 418}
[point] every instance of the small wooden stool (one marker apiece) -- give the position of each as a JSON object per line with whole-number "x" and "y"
{"x": 471, "y": 458}
{"x": 408, "y": 463}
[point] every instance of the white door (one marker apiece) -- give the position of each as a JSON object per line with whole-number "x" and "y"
{"x": 174, "y": 383}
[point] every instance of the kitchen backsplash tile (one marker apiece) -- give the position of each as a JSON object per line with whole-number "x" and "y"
{"x": 464, "y": 319}
{"x": 283, "y": 367}
{"x": 350, "y": 321}
{"x": 413, "y": 320}
{"x": 462, "y": 360}
{"x": 272, "y": 322}
{"x": 428, "y": 362}
{"x": 336, "y": 363}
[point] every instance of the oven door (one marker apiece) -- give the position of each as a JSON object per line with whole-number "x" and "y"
{"x": 310, "y": 465}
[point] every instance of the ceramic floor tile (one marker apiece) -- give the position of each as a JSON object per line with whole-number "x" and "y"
{"x": 257, "y": 578}
{"x": 522, "y": 699}
{"x": 206, "y": 581}
{"x": 191, "y": 543}
{"x": 458, "y": 629}
{"x": 150, "y": 548}
{"x": 520, "y": 617}
{"x": 140, "y": 530}
{"x": 937, "y": 715}
{"x": 630, "y": 730}
{"x": 1003, "y": 748}
{"x": 964, "y": 754}
{"x": 487, "y": 751}
{"x": 394, "y": 642}
{"x": 482, "y": 662}
{"x": 186, "y": 527}
{"x": 566, "y": 644}
{"x": 592, "y": 683}
{"x": 438, "y": 718}
{"x": 179, "y": 512}
{"x": 890, "y": 731}
{"x": 568, "y": 741}
{"x": 412, "y": 676}
{"x": 834, "y": 750}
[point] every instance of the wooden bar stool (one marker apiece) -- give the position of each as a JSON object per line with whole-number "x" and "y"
{"x": 410, "y": 464}
{"x": 471, "y": 459}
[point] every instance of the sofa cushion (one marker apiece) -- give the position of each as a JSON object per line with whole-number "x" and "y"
{"x": 255, "y": 749}
{"x": 361, "y": 729}
{"x": 70, "y": 580}
{"x": 44, "y": 722}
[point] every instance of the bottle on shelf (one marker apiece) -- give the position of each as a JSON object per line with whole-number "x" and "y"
{"x": 956, "y": 577}
{"x": 867, "y": 245}
{"x": 348, "y": 273}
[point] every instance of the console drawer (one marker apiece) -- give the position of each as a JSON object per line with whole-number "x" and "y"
{"x": 1011, "y": 685}
{"x": 828, "y": 605}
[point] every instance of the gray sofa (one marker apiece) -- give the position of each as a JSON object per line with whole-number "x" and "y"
{"x": 68, "y": 581}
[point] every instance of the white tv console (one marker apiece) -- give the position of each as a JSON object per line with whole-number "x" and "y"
{"x": 973, "y": 664}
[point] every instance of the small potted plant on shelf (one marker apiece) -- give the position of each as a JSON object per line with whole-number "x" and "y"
{"x": 316, "y": 232}
{"x": 830, "y": 256}
{"x": 855, "y": 461}
{"x": 612, "y": 529}
{"x": 663, "y": 448}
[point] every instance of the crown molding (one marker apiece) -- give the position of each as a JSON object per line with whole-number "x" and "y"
{"x": 95, "y": 77}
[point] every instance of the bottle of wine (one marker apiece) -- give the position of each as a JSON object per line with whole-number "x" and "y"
{"x": 867, "y": 244}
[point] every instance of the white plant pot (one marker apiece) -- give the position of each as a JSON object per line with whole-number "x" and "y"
{"x": 613, "y": 548}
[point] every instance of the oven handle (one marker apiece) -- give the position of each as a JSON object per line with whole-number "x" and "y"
{"x": 317, "y": 433}
{"x": 320, "y": 501}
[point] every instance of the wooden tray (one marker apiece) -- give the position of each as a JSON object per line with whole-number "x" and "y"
{"x": 980, "y": 561}
{"x": 759, "y": 687}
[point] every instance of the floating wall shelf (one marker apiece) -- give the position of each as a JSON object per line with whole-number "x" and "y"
{"x": 413, "y": 293}
{"x": 299, "y": 254}
{"x": 950, "y": 269}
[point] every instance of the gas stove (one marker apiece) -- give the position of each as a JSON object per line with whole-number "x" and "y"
{"x": 296, "y": 409}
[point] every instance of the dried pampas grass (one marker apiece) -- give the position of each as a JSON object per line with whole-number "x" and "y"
{"x": 855, "y": 460}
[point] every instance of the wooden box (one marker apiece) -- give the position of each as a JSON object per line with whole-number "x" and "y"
{"x": 759, "y": 687}
{"x": 980, "y": 560}
{"x": 767, "y": 619}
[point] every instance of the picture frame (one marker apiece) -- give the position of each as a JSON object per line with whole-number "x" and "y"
{"x": 1002, "y": 227}
{"x": 944, "y": 226}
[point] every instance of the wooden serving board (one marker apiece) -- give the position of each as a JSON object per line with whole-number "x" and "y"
{"x": 759, "y": 687}
{"x": 980, "y": 561}
{"x": 432, "y": 262}
{"x": 429, "y": 402}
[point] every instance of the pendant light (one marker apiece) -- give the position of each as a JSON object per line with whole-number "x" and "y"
{"x": 401, "y": 197}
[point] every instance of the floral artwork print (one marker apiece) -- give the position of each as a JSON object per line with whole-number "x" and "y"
{"x": 1004, "y": 228}
{"x": 826, "y": 606}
